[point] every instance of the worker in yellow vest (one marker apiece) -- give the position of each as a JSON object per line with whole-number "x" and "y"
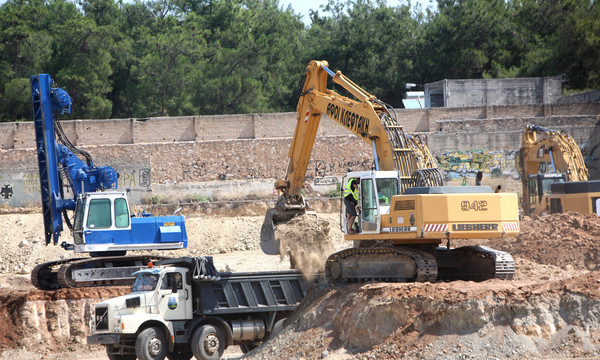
{"x": 351, "y": 203}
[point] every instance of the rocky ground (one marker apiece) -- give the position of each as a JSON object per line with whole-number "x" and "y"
{"x": 550, "y": 310}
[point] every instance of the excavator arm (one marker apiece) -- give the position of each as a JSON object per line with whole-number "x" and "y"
{"x": 556, "y": 149}
{"x": 365, "y": 116}
{"x": 547, "y": 156}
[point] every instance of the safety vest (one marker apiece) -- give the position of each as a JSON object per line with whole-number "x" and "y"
{"x": 348, "y": 190}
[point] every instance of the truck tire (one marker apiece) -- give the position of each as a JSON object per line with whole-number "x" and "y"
{"x": 208, "y": 343}
{"x": 151, "y": 344}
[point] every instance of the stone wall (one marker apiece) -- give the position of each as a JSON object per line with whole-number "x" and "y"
{"x": 240, "y": 155}
{"x": 21, "y": 135}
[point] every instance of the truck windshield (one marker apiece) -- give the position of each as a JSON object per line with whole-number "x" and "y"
{"x": 145, "y": 282}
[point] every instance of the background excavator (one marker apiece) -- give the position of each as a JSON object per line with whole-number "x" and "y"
{"x": 553, "y": 174}
{"x": 77, "y": 192}
{"x": 406, "y": 212}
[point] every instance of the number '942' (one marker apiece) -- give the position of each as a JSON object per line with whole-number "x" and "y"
{"x": 480, "y": 205}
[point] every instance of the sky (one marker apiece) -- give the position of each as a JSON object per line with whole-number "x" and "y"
{"x": 303, "y": 6}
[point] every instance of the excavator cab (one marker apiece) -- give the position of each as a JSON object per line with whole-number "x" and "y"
{"x": 376, "y": 189}
{"x": 539, "y": 185}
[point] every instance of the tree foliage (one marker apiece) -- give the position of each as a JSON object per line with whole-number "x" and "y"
{"x": 187, "y": 57}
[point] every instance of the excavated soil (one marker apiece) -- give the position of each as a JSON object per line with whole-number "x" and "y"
{"x": 550, "y": 310}
{"x": 305, "y": 239}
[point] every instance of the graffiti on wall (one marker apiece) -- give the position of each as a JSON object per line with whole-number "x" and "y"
{"x": 22, "y": 187}
{"x": 321, "y": 168}
{"x": 194, "y": 170}
{"x": 133, "y": 178}
{"x": 494, "y": 163}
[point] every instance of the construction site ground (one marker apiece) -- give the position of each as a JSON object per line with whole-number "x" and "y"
{"x": 551, "y": 310}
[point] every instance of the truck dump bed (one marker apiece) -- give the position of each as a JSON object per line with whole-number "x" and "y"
{"x": 250, "y": 292}
{"x": 241, "y": 292}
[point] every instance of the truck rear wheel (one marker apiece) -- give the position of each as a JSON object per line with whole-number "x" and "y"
{"x": 208, "y": 343}
{"x": 151, "y": 344}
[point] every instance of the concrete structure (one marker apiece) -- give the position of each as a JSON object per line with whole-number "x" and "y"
{"x": 239, "y": 156}
{"x": 490, "y": 92}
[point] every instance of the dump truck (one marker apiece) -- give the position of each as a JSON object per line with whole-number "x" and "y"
{"x": 183, "y": 307}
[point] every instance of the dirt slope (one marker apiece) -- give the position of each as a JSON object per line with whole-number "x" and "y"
{"x": 551, "y": 309}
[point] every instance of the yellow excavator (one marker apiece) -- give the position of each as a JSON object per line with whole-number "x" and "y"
{"x": 405, "y": 211}
{"x": 553, "y": 174}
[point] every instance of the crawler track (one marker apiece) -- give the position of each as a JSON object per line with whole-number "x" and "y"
{"x": 89, "y": 272}
{"x": 390, "y": 264}
{"x": 404, "y": 264}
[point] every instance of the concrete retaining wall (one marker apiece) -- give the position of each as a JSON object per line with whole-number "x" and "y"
{"x": 241, "y": 155}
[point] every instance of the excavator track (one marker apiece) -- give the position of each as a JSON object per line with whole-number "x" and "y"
{"x": 474, "y": 263}
{"x": 89, "y": 272}
{"x": 388, "y": 264}
{"x": 403, "y": 264}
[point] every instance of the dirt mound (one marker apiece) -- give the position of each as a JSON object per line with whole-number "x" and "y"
{"x": 458, "y": 320}
{"x": 306, "y": 240}
{"x": 549, "y": 311}
{"x": 569, "y": 240}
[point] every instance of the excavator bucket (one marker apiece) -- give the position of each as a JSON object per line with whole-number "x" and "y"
{"x": 269, "y": 243}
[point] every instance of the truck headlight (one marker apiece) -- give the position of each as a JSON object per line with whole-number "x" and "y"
{"x": 118, "y": 325}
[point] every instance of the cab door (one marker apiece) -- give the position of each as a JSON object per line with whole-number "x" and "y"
{"x": 370, "y": 215}
{"x": 174, "y": 299}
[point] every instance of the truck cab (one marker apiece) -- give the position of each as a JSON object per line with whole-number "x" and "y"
{"x": 183, "y": 307}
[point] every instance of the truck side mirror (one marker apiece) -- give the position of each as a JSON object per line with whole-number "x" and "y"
{"x": 174, "y": 287}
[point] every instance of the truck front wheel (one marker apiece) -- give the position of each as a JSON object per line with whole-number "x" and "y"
{"x": 151, "y": 344}
{"x": 208, "y": 343}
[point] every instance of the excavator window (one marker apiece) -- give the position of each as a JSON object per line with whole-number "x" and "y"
{"x": 369, "y": 201}
{"x": 99, "y": 214}
{"x": 386, "y": 188}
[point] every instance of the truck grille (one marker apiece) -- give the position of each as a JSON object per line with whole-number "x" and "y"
{"x": 101, "y": 318}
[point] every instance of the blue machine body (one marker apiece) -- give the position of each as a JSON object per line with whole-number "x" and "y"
{"x": 102, "y": 221}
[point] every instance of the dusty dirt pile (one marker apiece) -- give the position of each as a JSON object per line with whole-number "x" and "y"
{"x": 551, "y": 310}
{"x": 305, "y": 238}
{"x": 568, "y": 240}
{"x": 459, "y": 320}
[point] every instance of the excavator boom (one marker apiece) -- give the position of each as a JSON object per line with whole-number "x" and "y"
{"x": 366, "y": 117}
{"x": 553, "y": 174}
{"x": 404, "y": 212}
